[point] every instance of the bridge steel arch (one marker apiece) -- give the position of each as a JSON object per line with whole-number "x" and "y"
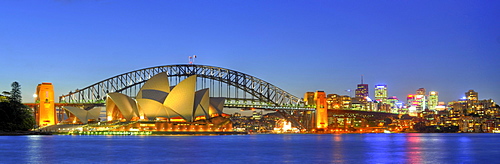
{"x": 260, "y": 89}
{"x": 264, "y": 95}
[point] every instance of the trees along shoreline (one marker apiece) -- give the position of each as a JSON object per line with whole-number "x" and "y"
{"x": 14, "y": 116}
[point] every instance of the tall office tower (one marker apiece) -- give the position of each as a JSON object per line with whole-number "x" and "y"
{"x": 471, "y": 95}
{"x": 421, "y": 99}
{"x": 433, "y": 100}
{"x": 45, "y": 112}
{"x": 321, "y": 109}
{"x": 362, "y": 90}
{"x": 411, "y": 104}
{"x": 381, "y": 93}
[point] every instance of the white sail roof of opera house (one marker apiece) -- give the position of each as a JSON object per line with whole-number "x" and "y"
{"x": 118, "y": 103}
{"x": 84, "y": 115}
{"x": 157, "y": 99}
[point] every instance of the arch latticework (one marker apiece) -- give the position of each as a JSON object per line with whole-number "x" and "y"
{"x": 246, "y": 88}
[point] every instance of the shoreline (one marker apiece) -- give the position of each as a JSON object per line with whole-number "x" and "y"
{"x": 21, "y": 133}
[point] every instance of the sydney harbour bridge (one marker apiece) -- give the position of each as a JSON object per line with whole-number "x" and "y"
{"x": 241, "y": 91}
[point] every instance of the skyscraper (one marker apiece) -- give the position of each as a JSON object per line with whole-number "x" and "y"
{"x": 381, "y": 93}
{"x": 421, "y": 100}
{"x": 362, "y": 90}
{"x": 433, "y": 100}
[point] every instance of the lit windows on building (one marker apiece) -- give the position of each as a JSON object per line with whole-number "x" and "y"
{"x": 421, "y": 100}
{"x": 433, "y": 100}
{"x": 471, "y": 95}
{"x": 381, "y": 93}
{"x": 362, "y": 90}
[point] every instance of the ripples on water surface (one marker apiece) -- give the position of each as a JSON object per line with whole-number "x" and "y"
{"x": 265, "y": 148}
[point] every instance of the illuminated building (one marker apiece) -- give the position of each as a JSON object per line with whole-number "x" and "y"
{"x": 362, "y": 91}
{"x": 433, "y": 100}
{"x": 381, "y": 93}
{"x": 421, "y": 99}
{"x": 346, "y": 102}
{"x": 473, "y": 115}
{"x": 158, "y": 101}
{"x": 471, "y": 95}
{"x": 82, "y": 115}
{"x": 336, "y": 102}
{"x": 359, "y": 102}
{"x": 45, "y": 112}
{"x": 411, "y": 104}
{"x": 256, "y": 115}
{"x": 309, "y": 99}
{"x": 395, "y": 105}
{"x": 321, "y": 109}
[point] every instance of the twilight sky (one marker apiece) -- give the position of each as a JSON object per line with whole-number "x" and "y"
{"x": 299, "y": 46}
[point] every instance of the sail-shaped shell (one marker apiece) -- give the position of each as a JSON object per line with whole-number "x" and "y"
{"x": 216, "y": 105}
{"x": 181, "y": 98}
{"x": 84, "y": 115}
{"x": 158, "y": 82}
{"x": 201, "y": 103}
{"x": 125, "y": 104}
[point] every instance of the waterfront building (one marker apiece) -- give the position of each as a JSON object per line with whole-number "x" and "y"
{"x": 81, "y": 115}
{"x": 336, "y": 102}
{"x": 256, "y": 115}
{"x": 156, "y": 101}
{"x": 433, "y": 100}
{"x": 45, "y": 112}
{"x": 161, "y": 106}
{"x": 473, "y": 115}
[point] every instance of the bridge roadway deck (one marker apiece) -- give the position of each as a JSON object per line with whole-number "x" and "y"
{"x": 245, "y": 107}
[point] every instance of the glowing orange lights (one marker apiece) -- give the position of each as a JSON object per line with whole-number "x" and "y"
{"x": 46, "y": 112}
{"x": 321, "y": 111}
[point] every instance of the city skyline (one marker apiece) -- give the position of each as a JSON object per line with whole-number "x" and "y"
{"x": 447, "y": 46}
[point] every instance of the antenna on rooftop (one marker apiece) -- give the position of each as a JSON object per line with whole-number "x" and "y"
{"x": 361, "y": 79}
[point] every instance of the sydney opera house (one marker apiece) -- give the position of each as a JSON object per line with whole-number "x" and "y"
{"x": 159, "y": 107}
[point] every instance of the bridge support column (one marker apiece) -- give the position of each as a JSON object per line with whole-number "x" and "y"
{"x": 321, "y": 111}
{"x": 45, "y": 112}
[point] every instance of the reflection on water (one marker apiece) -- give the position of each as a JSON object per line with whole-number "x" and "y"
{"x": 294, "y": 148}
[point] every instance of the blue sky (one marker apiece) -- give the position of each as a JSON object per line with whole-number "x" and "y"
{"x": 300, "y": 46}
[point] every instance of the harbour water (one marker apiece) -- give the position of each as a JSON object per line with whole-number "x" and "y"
{"x": 261, "y": 148}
